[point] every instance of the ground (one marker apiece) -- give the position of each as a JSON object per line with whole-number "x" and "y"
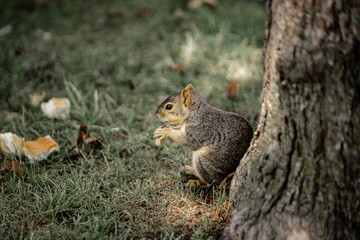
{"x": 117, "y": 61}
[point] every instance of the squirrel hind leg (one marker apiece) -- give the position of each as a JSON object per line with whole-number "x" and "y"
{"x": 192, "y": 183}
{"x": 208, "y": 172}
{"x": 189, "y": 170}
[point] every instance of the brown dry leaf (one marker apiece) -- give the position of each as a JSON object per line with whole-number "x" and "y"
{"x": 178, "y": 67}
{"x": 143, "y": 12}
{"x": 83, "y": 139}
{"x": 233, "y": 90}
{"x": 113, "y": 14}
{"x": 12, "y": 167}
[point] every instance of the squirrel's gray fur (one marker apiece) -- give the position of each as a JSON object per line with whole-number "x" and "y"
{"x": 225, "y": 136}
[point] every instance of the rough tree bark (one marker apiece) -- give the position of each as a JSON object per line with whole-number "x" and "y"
{"x": 300, "y": 178}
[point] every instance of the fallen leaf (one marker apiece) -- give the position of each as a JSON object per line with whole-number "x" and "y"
{"x": 211, "y": 3}
{"x": 41, "y": 148}
{"x": 36, "y": 98}
{"x": 178, "y": 67}
{"x": 195, "y": 4}
{"x": 113, "y": 14}
{"x": 143, "y": 13}
{"x": 56, "y": 108}
{"x": 233, "y": 90}
{"x": 83, "y": 139}
{"x": 11, "y": 144}
{"x": 12, "y": 167}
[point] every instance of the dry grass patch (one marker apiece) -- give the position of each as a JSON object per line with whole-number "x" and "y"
{"x": 191, "y": 212}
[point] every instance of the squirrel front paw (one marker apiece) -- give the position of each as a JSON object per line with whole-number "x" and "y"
{"x": 160, "y": 135}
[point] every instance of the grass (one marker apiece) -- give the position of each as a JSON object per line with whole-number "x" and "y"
{"x": 90, "y": 52}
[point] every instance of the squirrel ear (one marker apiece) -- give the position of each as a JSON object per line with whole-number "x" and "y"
{"x": 185, "y": 98}
{"x": 190, "y": 88}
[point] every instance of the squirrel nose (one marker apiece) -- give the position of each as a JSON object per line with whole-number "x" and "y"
{"x": 158, "y": 114}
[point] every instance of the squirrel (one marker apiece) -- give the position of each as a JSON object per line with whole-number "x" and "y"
{"x": 218, "y": 139}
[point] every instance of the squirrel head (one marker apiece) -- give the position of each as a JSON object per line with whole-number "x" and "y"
{"x": 176, "y": 108}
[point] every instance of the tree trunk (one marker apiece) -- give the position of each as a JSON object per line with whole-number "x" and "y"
{"x": 300, "y": 178}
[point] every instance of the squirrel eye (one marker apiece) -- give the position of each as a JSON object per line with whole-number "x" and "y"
{"x": 168, "y": 107}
